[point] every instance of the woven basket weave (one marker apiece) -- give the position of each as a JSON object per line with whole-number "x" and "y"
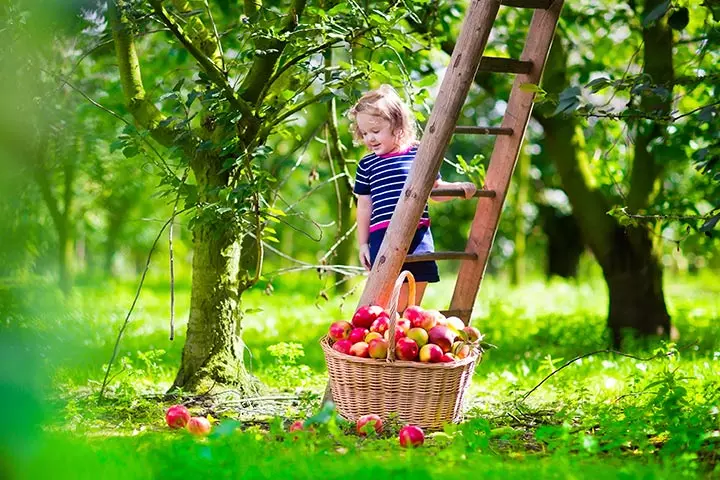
{"x": 428, "y": 395}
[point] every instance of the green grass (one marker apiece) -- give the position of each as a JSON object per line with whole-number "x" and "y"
{"x": 605, "y": 416}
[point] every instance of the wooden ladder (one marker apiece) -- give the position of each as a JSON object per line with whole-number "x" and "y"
{"x": 467, "y": 58}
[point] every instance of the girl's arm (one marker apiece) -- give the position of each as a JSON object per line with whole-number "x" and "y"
{"x": 364, "y": 207}
{"x": 468, "y": 187}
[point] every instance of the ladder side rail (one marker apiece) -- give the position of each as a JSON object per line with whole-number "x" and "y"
{"x": 503, "y": 160}
{"x": 454, "y": 88}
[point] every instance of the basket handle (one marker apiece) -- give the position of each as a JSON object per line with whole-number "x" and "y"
{"x": 394, "y": 298}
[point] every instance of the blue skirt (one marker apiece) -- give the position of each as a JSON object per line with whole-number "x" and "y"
{"x": 422, "y": 242}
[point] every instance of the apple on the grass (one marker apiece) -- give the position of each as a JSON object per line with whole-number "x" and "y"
{"x": 406, "y": 349}
{"x": 442, "y": 336}
{"x": 411, "y": 436}
{"x": 359, "y": 349}
{"x": 358, "y": 334}
{"x": 340, "y": 330}
{"x": 418, "y": 334}
{"x": 296, "y": 426}
{"x": 199, "y": 426}
{"x": 366, "y": 315}
{"x": 430, "y": 353}
{"x": 177, "y": 416}
{"x": 343, "y": 346}
{"x": 366, "y": 423}
{"x": 377, "y": 348}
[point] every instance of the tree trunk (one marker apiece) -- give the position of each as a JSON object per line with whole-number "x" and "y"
{"x": 564, "y": 242}
{"x": 634, "y": 278}
{"x": 65, "y": 257}
{"x": 213, "y": 351}
{"x": 630, "y": 266}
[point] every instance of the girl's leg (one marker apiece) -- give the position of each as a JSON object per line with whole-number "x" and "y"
{"x": 419, "y": 292}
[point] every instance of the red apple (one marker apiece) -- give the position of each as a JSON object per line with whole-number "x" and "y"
{"x": 398, "y": 335}
{"x": 366, "y": 315}
{"x": 296, "y": 426}
{"x": 358, "y": 335}
{"x": 342, "y": 346}
{"x": 199, "y": 426}
{"x": 442, "y": 336}
{"x": 177, "y": 416}
{"x": 461, "y": 349}
{"x": 359, "y": 349}
{"x": 380, "y": 325}
{"x": 377, "y": 348}
{"x": 406, "y": 349}
{"x": 371, "y": 336}
{"x": 447, "y": 358}
{"x": 413, "y": 313}
{"x": 403, "y": 324}
{"x": 371, "y": 419}
{"x": 339, "y": 330}
{"x": 419, "y": 335}
{"x": 473, "y": 334}
{"x": 428, "y": 321}
{"x": 430, "y": 353}
{"x": 411, "y": 436}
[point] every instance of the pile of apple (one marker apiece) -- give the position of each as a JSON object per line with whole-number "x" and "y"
{"x": 420, "y": 335}
{"x": 178, "y": 416}
{"x": 409, "y": 436}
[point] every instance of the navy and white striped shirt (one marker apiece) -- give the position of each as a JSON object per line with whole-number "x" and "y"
{"x": 383, "y": 177}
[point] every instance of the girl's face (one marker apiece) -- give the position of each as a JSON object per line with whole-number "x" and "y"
{"x": 377, "y": 133}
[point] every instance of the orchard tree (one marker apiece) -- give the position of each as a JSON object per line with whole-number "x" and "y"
{"x": 232, "y": 82}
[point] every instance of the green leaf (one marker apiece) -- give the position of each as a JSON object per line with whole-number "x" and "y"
{"x": 598, "y": 84}
{"x": 710, "y": 223}
{"x": 530, "y": 88}
{"x": 130, "y": 151}
{"x": 656, "y": 13}
{"x": 679, "y": 19}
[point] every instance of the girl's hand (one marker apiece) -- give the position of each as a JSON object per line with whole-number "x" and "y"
{"x": 469, "y": 189}
{"x": 364, "y": 255}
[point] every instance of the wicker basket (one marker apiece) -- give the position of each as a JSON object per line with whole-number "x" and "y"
{"x": 424, "y": 394}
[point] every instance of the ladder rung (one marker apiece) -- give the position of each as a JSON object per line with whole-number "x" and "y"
{"x": 538, "y": 4}
{"x": 504, "y": 65}
{"x": 457, "y": 313}
{"x": 424, "y": 257}
{"x": 458, "y": 192}
{"x": 483, "y": 130}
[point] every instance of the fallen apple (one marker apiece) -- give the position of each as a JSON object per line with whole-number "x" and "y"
{"x": 367, "y": 423}
{"x": 296, "y": 426}
{"x": 339, "y": 330}
{"x": 411, "y": 436}
{"x": 199, "y": 426}
{"x": 177, "y": 416}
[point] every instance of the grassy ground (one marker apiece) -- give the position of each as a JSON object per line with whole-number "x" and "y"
{"x": 605, "y": 416}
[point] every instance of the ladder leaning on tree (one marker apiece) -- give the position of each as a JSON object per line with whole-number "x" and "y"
{"x": 467, "y": 58}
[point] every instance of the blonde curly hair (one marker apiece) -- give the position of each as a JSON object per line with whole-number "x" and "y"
{"x": 384, "y": 102}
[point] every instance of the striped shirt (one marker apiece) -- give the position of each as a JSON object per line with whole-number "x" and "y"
{"x": 383, "y": 177}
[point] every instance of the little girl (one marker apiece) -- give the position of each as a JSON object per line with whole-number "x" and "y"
{"x": 385, "y": 124}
